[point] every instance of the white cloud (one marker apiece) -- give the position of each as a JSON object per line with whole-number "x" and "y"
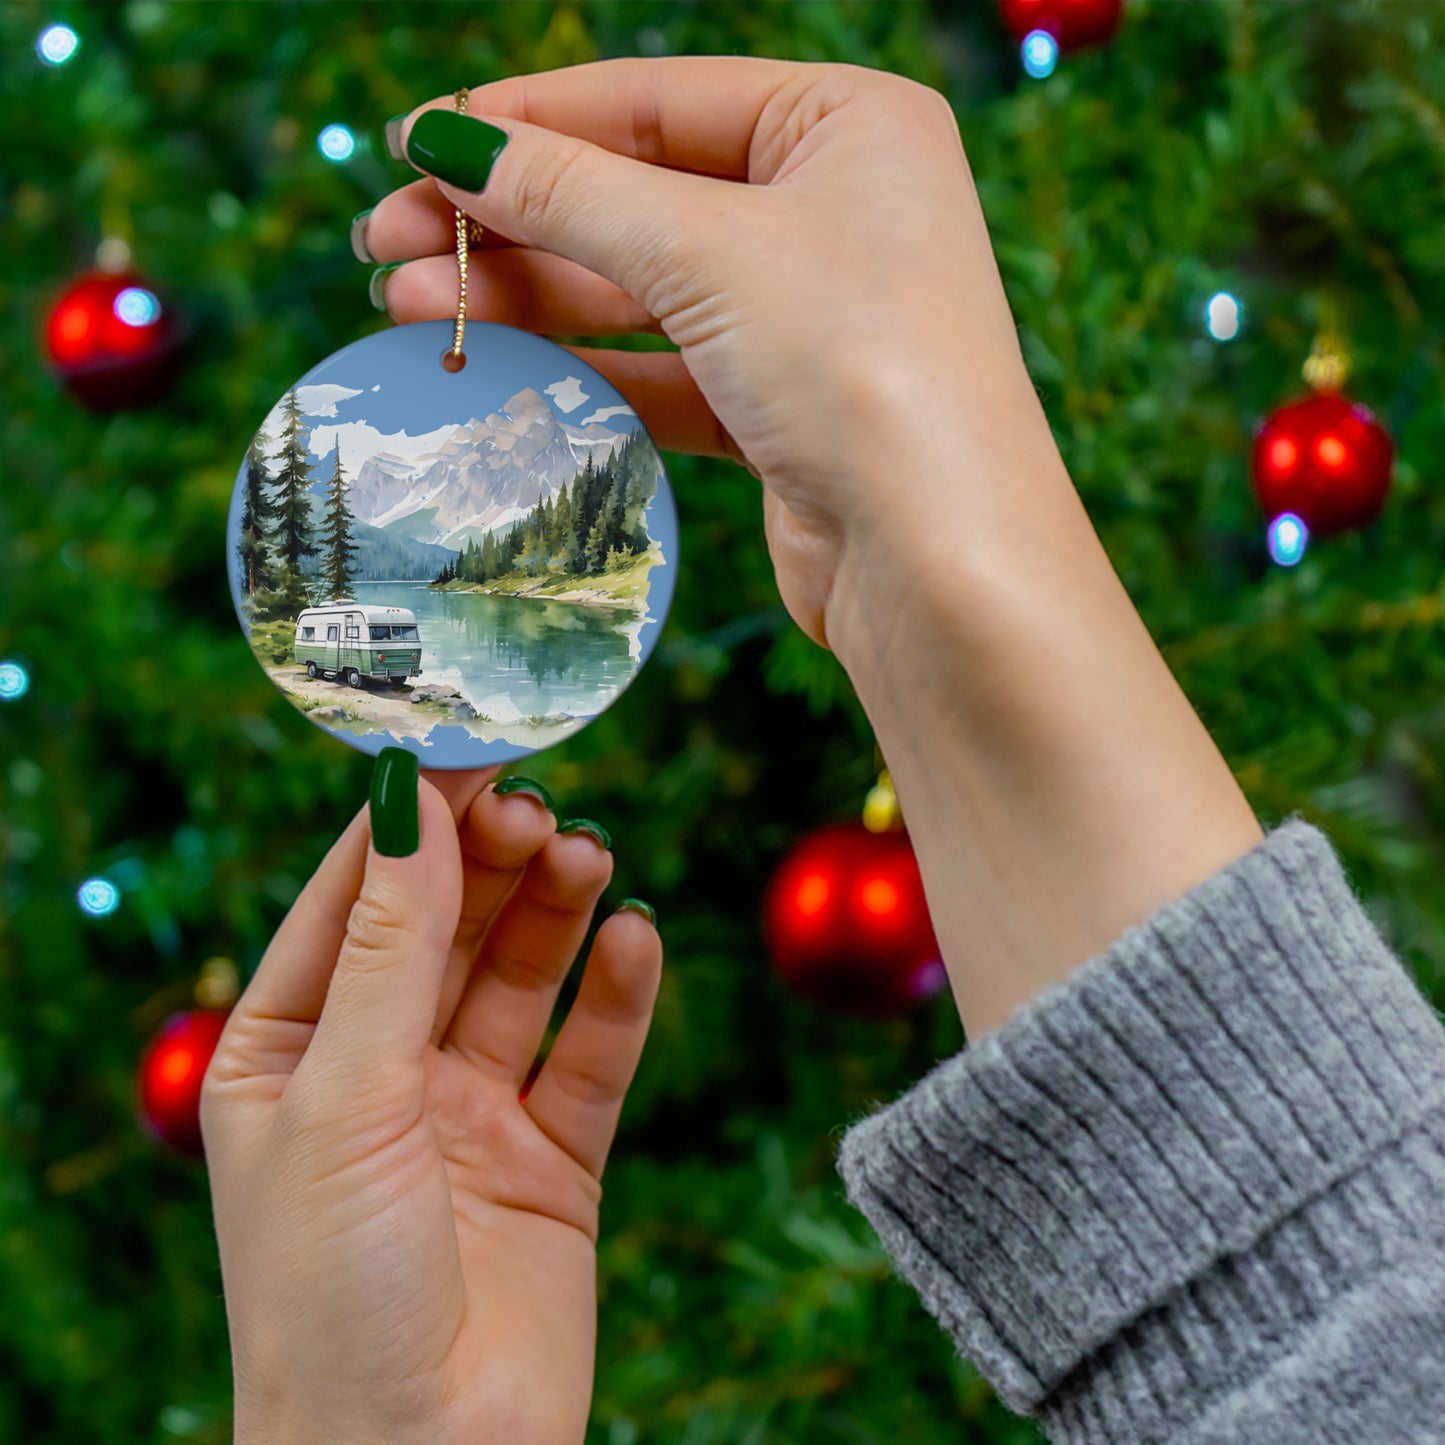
{"x": 568, "y": 393}
{"x": 360, "y": 440}
{"x": 314, "y": 401}
{"x": 602, "y": 413}
{"x": 377, "y": 387}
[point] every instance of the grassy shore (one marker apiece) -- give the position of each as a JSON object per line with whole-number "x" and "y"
{"x": 624, "y": 586}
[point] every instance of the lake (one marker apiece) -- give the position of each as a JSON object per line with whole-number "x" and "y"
{"x": 514, "y": 657}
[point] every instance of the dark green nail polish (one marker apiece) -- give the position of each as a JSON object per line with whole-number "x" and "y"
{"x": 455, "y": 148}
{"x": 636, "y": 905}
{"x": 358, "y": 237}
{"x": 395, "y": 820}
{"x": 376, "y": 287}
{"x": 515, "y": 784}
{"x": 586, "y": 825}
{"x": 392, "y": 133}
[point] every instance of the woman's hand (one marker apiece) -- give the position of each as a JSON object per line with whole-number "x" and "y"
{"x": 408, "y": 1248}
{"x": 838, "y": 316}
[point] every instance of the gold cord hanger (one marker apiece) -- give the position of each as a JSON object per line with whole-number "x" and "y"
{"x": 469, "y": 232}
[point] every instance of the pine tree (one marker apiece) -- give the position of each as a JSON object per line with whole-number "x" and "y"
{"x": 294, "y": 538}
{"x": 258, "y": 513}
{"x": 338, "y": 550}
{"x": 596, "y": 551}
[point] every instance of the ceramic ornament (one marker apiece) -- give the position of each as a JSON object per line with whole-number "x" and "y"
{"x": 470, "y": 564}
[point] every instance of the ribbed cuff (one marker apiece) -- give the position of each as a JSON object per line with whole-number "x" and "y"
{"x": 1137, "y": 1184}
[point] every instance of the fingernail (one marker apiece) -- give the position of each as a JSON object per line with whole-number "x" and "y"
{"x": 636, "y": 905}
{"x": 586, "y": 825}
{"x": 358, "y": 236}
{"x": 526, "y": 785}
{"x": 393, "y": 136}
{"x": 455, "y": 148}
{"x": 395, "y": 820}
{"x": 376, "y": 287}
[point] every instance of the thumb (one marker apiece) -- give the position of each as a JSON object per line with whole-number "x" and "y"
{"x": 382, "y": 999}
{"x": 635, "y": 224}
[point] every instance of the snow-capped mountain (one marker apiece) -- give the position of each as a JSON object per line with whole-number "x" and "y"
{"x": 485, "y": 474}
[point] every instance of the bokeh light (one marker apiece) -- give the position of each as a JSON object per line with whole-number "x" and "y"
{"x": 1040, "y": 53}
{"x": 1288, "y": 537}
{"x": 336, "y": 143}
{"x": 1223, "y": 316}
{"x": 98, "y": 897}
{"x": 137, "y": 307}
{"x": 14, "y": 681}
{"x": 57, "y": 44}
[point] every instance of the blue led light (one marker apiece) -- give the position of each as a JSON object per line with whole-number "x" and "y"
{"x": 1223, "y": 316}
{"x": 137, "y": 307}
{"x": 1040, "y": 53}
{"x": 1288, "y": 537}
{"x": 98, "y": 897}
{"x": 14, "y": 681}
{"x": 57, "y": 44}
{"x": 336, "y": 143}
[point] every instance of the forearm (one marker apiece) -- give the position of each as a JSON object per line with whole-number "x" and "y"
{"x": 1056, "y": 782}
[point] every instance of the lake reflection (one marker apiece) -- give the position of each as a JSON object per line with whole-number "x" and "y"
{"x": 545, "y": 656}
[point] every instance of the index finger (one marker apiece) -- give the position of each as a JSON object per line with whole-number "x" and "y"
{"x": 696, "y": 113}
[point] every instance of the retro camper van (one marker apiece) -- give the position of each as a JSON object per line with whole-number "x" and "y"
{"x": 351, "y": 640}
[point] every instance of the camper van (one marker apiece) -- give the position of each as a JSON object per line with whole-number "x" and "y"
{"x": 350, "y": 640}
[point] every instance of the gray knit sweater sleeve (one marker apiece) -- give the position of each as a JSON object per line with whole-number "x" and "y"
{"x": 1197, "y": 1191}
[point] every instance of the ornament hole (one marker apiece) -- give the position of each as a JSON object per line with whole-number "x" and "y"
{"x": 453, "y": 361}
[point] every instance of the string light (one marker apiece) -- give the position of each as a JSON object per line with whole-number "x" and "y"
{"x": 14, "y": 681}
{"x": 98, "y": 897}
{"x": 336, "y": 143}
{"x": 1288, "y": 537}
{"x": 1040, "y": 52}
{"x": 57, "y": 44}
{"x": 1223, "y": 316}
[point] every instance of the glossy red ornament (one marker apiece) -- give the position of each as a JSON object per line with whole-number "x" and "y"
{"x": 1324, "y": 458}
{"x": 171, "y": 1071}
{"x": 847, "y": 923}
{"x": 1073, "y": 23}
{"x": 112, "y": 341}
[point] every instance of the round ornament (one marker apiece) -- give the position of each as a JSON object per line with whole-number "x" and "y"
{"x": 172, "y": 1070}
{"x": 847, "y": 923}
{"x": 471, "y": 564}
{"x": 111, "y": 341}
{"x": 1072, "y": 23}
{"x": 1326, "y": 460}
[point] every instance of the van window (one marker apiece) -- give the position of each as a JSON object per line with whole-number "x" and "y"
{"x": 404, "y": 634}
{"x": 331, "y": 633}
{"x": 380, "y": 634}
{"x": 308, "y": 632}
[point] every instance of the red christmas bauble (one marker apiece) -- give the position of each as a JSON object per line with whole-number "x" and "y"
{"x": 1324, "y": 458}
{"x": 112, "y": 341}
{"x": 1073, "y": 23}
{"x": 171, "y": 1071}
{"x": 847, "y": 923}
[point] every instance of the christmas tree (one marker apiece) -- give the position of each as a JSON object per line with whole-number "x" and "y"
{"x": 1286, "y": 157}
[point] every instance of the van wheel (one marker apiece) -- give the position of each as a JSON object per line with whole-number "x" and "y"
{"x": 311, "y": 669}
{"x": 353, "y": 677}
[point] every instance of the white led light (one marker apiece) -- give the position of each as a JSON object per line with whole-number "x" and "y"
{"x": 1288, "y": 537}
{"x": 98, "y": 897}
{"x": 57, "y": 44}
{"x": 137, "y": 307}
{"x": 14, "y": 681}
{"x": 1223, "y": 316}
{"x": 1040, "y": 53}
{"x": 336, "y": 143}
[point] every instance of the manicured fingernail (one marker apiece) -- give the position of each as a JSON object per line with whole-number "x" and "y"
{"x": 358, "y": 236}
{"x": 376, "y": 288}
{"x": 586, "y": 825}
{"x": 455, "y": 148}
{"x": 526, "y": 785}
{"x": 636, "y": 905}
{"x": 395, "y": 820}
{"x": 393, "y": 136}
